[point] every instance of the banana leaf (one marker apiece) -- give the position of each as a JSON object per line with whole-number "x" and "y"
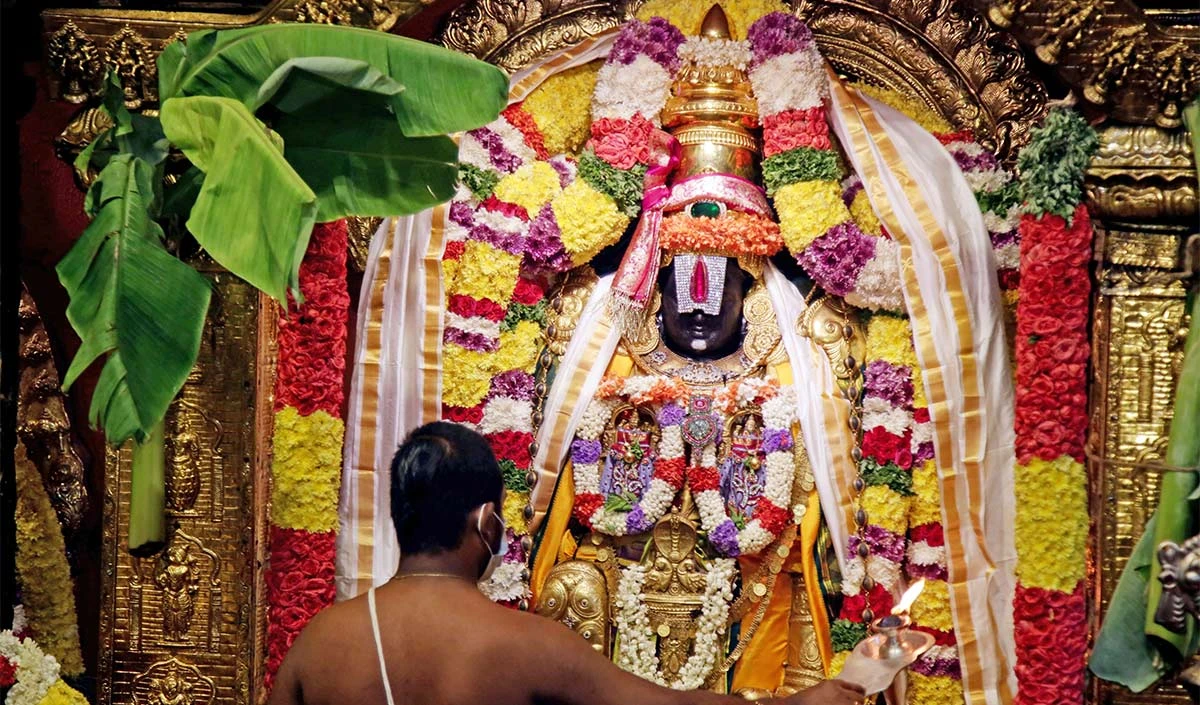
{"x": 253, "y": 214}
{"x": 442, "y": 91}
{"x": 372, "y": 170}
{"x": 132, "y": 302}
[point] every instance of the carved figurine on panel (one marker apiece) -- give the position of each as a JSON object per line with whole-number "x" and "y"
{"x": 178, "y": 580}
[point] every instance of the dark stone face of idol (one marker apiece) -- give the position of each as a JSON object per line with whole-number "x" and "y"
{"x": 697, "y": 335}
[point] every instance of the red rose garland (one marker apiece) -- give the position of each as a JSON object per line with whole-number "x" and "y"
{"x": 1050, "y": 605}
{"x": 309, "y": 390}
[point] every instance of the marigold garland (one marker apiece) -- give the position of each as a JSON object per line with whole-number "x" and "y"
{"x": 1051, "y": 414}
{"x": 306, "y": 470}
{"x": 733, "y": 233}
{"x": 47, "y": 591}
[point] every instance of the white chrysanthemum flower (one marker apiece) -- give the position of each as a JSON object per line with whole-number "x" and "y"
{"x": 921, "y": 553}
{"x": 638, "y": 88}
{"x": 473, "y": 324}
{"x": 514, "y": 140}
{"x": 470, "y": 151}
{"x": 878, "y": 286}
{"x": 892, "y": 419}
{"x": 986, "y": 179}
{"x": 790, "y": 82}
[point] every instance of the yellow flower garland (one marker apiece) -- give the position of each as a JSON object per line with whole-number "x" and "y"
{"x": 688, "y": 14}
{"x": 934, "y": 690}
{"x": 807, "y": 210}
{"x": 886, "y": 508}
{"x": 588, "y": 220}
{"x": 62, "y": 694}
{"x": 933, "y": 609}
{"x": 514, "y": 511}
{"x": 927, "y": 499}
{"x": 519, "y": 348}
{"x": 864, "y": 216}
{"x": 306, "y": 470}
{"x": 1051, "y": 496}
{"x": 530, "y": 187}
{"x": 913, "y": 107}
{"x": 561, "y": 107}
{"x": 837, "y": 664}
{"x": 47, "y": 591}
{"x": 485, "y": 272}
{"x": 471, "y": 372}
{"x": 889, "y": 338}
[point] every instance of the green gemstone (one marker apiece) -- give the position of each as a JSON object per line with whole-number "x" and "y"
{"x": 705, "y": 209}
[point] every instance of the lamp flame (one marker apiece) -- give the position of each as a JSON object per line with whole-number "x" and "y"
{"x": 909, "y": 597}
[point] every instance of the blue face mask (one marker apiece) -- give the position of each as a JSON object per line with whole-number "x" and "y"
{"x": 497, "y": 556}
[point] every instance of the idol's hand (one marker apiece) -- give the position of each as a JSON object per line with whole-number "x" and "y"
{"x": 828, "y": 693}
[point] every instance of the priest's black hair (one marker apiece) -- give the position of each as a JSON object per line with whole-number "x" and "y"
{"x": 441, "y": 472}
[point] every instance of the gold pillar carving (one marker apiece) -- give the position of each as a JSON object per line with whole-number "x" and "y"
{"x": 1142, "y": 188}
{"x": 42, "y": 421}
{"x": 185, "y": 626}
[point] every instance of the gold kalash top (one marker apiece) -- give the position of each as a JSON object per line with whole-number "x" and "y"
{"x": 713, "y": 114}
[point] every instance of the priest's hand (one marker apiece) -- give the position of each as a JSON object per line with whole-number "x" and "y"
{"x": 833, "y": 692}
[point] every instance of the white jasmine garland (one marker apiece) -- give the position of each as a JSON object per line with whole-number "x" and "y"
{"x": 712, "y": 508}
{"x": 637, "y": 647}
{"x": 587, "y": 478}
{"x": 36, "y": 671}
{"x": 778, "y": 484}
{"x": 506, "y": 583}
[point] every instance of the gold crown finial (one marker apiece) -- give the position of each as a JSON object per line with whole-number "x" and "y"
{"x": 715, "y": 25}
{"x": 712, "y": 111}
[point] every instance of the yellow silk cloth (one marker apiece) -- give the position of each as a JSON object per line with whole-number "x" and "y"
{"x": 762, "y": 663}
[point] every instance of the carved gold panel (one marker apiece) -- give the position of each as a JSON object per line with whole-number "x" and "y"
{"x": 1137, "y": 349}
{"x": 185, "y": 626}
{"x": 82, "y": 44}
{"x": 1139, "y": 66}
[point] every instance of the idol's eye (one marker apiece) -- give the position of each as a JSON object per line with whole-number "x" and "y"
{"x": 706, "y": 209}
